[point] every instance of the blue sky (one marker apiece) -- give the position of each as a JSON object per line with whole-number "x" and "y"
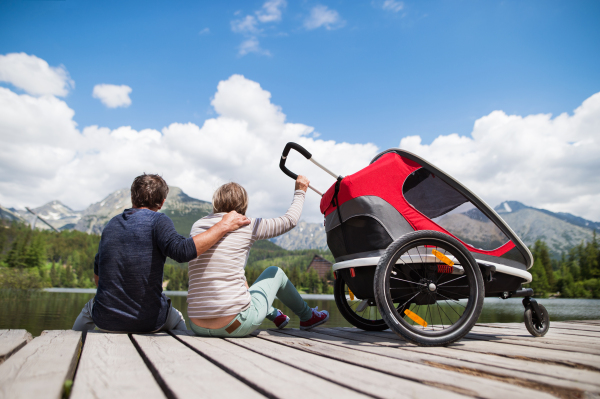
{"x": 503, "y": 95}
{"x": 432, "y": 68}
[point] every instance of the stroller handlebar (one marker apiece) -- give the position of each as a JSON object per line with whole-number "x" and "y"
{"x": 289, "y": 146}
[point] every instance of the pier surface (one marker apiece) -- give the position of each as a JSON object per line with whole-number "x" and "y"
{"x": 494, "y": 361}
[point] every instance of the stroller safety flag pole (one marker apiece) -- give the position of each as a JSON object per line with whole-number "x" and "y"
{"x": 307, "y": 155}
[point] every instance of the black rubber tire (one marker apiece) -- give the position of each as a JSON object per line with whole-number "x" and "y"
{"x": 339, "y": 293}
{"x": 536, "y": 329}
{"x": 390, "y": 313}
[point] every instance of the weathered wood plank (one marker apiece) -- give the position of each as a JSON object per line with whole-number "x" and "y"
{"x": 589, "y": 322}
{"x": 552, "y": 330}
{"x": 351, "y": 376}
{"x": 269, "y": 376}
{"x": 565, "y": 343}
{"x": 518, "y": 351}
{"x": 536, "y": 373}
{"x": 575, "y": 326}
{"x": 394, "y": 362}
{"x": 110, "y": 367}
{"x": 11, "y": 341}
{"x": 186, "y": 373}
{"x": 40, "y": 368}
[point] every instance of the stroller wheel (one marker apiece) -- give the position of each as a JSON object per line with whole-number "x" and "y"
{"x": 429, "y": 288}
{"x": 366, "y": 317}
{"x": 537, "y": 328}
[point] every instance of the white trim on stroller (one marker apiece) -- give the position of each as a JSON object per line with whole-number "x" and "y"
{"x": 373, "y": 261}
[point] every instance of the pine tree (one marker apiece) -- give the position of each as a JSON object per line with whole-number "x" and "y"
{"x": 15, "y": 257}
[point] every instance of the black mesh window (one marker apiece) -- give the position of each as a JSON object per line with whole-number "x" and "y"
{"x": 430, "y": 195}
{"x": 357, "y": 234}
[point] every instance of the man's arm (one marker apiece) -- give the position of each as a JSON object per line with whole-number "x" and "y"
{"x": 96, "y": 261}
{"x": 230, "y": 222}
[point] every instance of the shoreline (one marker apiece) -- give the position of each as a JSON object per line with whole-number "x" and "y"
{"x": 322, "y": 297}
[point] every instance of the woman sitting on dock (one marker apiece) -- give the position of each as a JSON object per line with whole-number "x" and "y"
{"x": 220, "y": 303}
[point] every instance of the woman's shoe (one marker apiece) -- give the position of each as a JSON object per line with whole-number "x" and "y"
{"x": 317, "y": 319}
{"x": 281, "y": 320}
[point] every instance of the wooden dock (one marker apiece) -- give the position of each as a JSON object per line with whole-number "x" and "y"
{"x": 495, "y": 361}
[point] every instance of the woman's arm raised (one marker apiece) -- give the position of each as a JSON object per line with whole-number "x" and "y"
{"x": 269, "y": 228}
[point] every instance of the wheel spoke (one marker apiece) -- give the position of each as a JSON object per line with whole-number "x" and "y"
{"x": 453, "y": 300}
{"x": 406, "y": 281}
{"x": 449, "y": 281}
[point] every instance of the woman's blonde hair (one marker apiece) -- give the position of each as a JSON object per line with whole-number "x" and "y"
{"x": 230, "y": 197}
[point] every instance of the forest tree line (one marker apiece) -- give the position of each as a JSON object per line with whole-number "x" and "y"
{"x": 43, "y": 258}
{"x": 32, "y": 259}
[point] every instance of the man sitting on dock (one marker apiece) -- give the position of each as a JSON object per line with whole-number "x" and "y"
{"x": 128, "y": 269}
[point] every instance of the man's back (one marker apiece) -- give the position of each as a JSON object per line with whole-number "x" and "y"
{"x": 130, "y": 264}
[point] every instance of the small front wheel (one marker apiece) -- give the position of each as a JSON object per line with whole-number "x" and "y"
{"x": 537, "y": 328}
{"x": 429, "y": 288}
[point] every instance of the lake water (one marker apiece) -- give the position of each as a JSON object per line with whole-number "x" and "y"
{"x": 36, "y": 311}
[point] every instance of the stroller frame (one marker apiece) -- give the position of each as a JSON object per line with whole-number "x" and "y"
{"x": 379, "y": 232}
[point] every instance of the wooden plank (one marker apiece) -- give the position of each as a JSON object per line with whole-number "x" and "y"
{"x": 534, "y": 342}
{"x": 394, "y": 362}
{"x": 266, "y": 375}
{"x": 186, "y": 373}
{"x": 589, "y": 322}
{"x": 552, "y": 330}
{"x": 519, "y": 351}
{"x": 40, "y": 368}
{"x": 567, "y": 343}
{"x": 575, "y": 326}
{"x": 351, "y": 376}
{"x": 11, "y": 341}
{"x": 110, "y": 367}
{"x": 550, "y": 375}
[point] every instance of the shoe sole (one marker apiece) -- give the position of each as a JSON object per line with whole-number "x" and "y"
{"x": 285, "y": 323}
{"x": 316, "y": 324}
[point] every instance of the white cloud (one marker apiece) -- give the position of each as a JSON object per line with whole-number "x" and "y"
{"x": 34, "y": 75}
{"x": 113, "y": 96}
{"x": 321, "y": 16}
{"x": 249, "y": 26}
{"x": 390, "y": 5}
{"x": 252, "y": 45}
{"x": 545, "y": 162}
{"x": 204, "y": 31}
{"x": 271, "y": 11}
{"x": 49, "y": 158}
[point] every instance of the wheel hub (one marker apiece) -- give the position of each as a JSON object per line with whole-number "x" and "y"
{"x": 432, "y": 287}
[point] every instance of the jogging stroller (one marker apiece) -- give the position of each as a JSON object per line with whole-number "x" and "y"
{"x": 417, "y": 252}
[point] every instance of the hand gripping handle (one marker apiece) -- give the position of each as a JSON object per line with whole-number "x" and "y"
{"x": 286, "y": 151}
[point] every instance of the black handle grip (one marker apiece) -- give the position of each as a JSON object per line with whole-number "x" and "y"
{"x": 286, "y": 151}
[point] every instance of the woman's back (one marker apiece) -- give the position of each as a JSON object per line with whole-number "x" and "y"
{"x": 217, "y": 283}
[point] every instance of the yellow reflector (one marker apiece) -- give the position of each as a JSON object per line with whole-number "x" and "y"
{"x": 442, "y": 257}
{"x": 415, "y": 317}
{"x": 351, "y": 294}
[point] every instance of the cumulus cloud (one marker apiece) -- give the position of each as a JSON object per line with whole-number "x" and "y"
{"x": 539, "y": 160}
{"x": 321, "y": 16}
{"x": 49, "y": 158}
{"x": 113, "y": 96}
{"x": 249, "y": 26}
{"x": 34, "y": 75}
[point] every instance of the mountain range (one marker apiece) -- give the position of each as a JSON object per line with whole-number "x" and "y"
{"x": 560, "y": 231}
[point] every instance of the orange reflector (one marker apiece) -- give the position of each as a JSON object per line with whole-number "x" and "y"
{"x": 352, "y": 272}
{"x": 351, "y": 294}
{"x": 415, "y": 317}
{"x": 442, "y": 257}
